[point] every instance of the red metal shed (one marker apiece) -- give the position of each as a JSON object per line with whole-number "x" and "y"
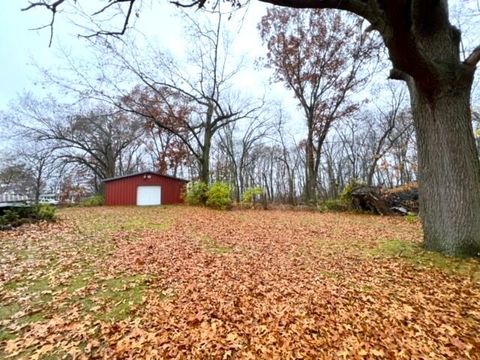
{"x": 146, "y": 188}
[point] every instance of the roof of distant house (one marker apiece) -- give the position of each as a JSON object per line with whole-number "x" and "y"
{"x": 7, "y": 198}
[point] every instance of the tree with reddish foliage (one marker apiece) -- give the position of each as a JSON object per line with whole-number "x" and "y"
{"x": 318, "y": 55}
{"x": 172, "y": 120}
{"x": 169, "y": 154}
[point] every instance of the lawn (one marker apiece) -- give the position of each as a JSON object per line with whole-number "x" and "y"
{"x": 181, "y": 282}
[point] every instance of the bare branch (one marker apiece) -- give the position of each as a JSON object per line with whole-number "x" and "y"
{"x": 199, "y": 3}
{"x": 474, "y": 58}
{"x": 53, "y": 8}
{"x": 109, "y": 5}
{"x": 125, "y": 23}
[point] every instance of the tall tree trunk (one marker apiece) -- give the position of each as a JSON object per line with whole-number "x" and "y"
{"x": 205, "y": 159}
{"x": 291, "y": 187}
{"x": 425, "y": 52}
{"x": 449, "y": 170}
{"x": 38, "y": 186}
{"x": 310, "y": 176}
{"x": 371, "y": 170}
{"x": 267, "y": 188}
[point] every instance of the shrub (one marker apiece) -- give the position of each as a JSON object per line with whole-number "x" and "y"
{"x": 218, "y": 196}
{"x": 21, "y": 215}
{"x": 9, "y": 217}
{"x": 96, "y": 200}
{"x": 334, "y": 205}
{"x": 25, "y": 212}
{"x": 45, "y": 212}
{"x": 196, "y": 193}
{"x": 250, "y": 195}
{"x": 346, "y": 194}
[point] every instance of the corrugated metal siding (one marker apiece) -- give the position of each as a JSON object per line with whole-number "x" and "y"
{"x": 124, "y": 191}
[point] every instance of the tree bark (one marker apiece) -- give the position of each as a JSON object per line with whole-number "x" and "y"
{"x": 205, "y": 159}
{"x": 449, "y": 170}
{"x": 310, "y": 175}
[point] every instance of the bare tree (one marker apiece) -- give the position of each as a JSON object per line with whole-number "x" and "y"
{"x": 238, "y": 149}
{"x": 383, "y": 137}
{"x": 28, "y": 169}
{"x": 168, "y": 153}
{"x": 101, "y": 139}
{"x": 40, "y": 162}
{"x": 15, "y": 177}
{"x": 193, "y": 106}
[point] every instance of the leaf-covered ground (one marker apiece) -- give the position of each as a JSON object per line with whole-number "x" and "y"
{"x": 180, "y": 282}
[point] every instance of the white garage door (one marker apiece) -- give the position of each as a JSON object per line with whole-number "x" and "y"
{"x": 149, "y": 195}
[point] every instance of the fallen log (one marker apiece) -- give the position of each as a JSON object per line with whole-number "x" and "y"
{"x": 402, "y": 200}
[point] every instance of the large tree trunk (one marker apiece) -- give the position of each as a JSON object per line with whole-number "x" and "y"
{"x": 205, "y": 158}
{"x": 449, "y": 170}
{"x": 205, "y": 165}
{"x": 425, "y": 53}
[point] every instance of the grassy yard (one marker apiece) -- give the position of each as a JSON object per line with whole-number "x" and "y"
{"x": 180, "y": 282}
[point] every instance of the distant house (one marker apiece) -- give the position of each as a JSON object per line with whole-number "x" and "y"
{"x": 12, "y": 200}
{"x": 51, "y": 199}
{"x": 143, "y": 189}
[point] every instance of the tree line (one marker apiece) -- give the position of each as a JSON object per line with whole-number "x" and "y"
{"x": 202, "y": 128}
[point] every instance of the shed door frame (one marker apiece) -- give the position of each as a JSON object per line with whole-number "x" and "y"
{"x": 147, "y": 195}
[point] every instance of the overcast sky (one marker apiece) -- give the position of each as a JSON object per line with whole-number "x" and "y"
{"x": 20, "y": 47}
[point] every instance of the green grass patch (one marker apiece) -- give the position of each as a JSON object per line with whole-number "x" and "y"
{"x": 32, "y": 318}
{"x": 86, "y": 303}
{"x": 6, "y": 311}
{"x": 145, "y": 224}
{"x": 22, "y": 254}
{"x": 79, "y": 282}
{"x": 120, "y": 295}
{"x": 113, "y": 300}
{"x": 12, "y": 285}
{"x": 39, "y": 285}
{"x": 411, "y": 218}
{"x": 7, "y": 335}
{"x": 130, "y": 219}
{"x": 212, "y": 246}
{"x": 333, "y": 205}
{"x": 415, "y": 254}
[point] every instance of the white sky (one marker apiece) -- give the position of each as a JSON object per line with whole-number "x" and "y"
{"x": 159, "y": 21}
{"x": 20, "y": 47}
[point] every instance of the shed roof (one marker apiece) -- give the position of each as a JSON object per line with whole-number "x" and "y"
{"x": 144, "y": 173}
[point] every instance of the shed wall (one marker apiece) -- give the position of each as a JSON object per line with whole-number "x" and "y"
{"x": 124, "y": 191}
